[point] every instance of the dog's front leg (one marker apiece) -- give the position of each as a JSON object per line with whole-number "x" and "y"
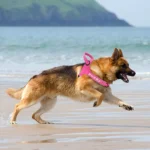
{"x": 110, "y": 98}
{"x": 91, "y": 92}
{"x": 99, "y": 101}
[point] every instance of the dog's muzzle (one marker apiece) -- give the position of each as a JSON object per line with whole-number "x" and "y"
{"x": 123, "y": 75}
{"x": 131, "y": 73}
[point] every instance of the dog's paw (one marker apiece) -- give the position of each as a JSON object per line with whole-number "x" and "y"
{"x": 45, "y": 122}
{"x": 127, "y": 107}
{"x": 13, "y": 122}
{"x": 95, "y": 104}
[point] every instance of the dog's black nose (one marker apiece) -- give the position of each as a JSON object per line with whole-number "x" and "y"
{"x": 133, "y": 73}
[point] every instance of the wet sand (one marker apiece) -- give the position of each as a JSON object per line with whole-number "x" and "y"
{"x": 79, "y": 125}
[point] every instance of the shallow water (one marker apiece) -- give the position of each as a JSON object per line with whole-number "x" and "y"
{"x": 25, "y": 51}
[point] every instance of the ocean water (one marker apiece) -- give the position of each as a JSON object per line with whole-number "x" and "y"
{"x": 26, "y": 51}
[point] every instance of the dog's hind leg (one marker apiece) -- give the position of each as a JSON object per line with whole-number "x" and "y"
{"x": 24, "y": 103}
{"x": 46, "y": 104}
{"x": 30, "y": 96}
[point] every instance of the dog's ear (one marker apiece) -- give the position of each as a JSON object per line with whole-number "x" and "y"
{"x": 115, "y": 56}
{"x": 120, "y": 53}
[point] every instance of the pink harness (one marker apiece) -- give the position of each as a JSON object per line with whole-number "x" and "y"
{"x": 86, "y": 71}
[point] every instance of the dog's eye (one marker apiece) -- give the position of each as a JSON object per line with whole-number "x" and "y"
{"x": 123, "y": 66}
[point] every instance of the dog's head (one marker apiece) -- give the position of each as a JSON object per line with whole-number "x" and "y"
{"x": 121, "y": 65}
{"x": 115, "y": 67}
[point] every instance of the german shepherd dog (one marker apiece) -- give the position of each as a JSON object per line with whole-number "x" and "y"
{"x": 64, "y": 81}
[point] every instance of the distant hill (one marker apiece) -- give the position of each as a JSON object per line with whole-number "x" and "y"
{"x": 56, "y": 13}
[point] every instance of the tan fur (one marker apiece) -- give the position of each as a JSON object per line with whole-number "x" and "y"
{"x": 15, "y": 93}
{"x": 45, "y": 87}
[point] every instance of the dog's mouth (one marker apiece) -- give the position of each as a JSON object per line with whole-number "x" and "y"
{"x": 122, "y": 76}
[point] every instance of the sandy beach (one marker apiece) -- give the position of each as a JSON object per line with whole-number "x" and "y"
{"x": 79, "y": 125}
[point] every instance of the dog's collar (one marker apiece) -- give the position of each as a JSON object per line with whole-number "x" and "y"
{"x": 87, "y": 71}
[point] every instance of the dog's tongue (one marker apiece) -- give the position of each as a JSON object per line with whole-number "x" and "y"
{"x": 125, "y": 77}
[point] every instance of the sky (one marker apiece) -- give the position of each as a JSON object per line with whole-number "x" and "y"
{"x": 135, "y": 12}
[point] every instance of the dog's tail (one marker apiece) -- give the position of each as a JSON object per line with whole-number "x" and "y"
{"x": 15, "y": 93}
